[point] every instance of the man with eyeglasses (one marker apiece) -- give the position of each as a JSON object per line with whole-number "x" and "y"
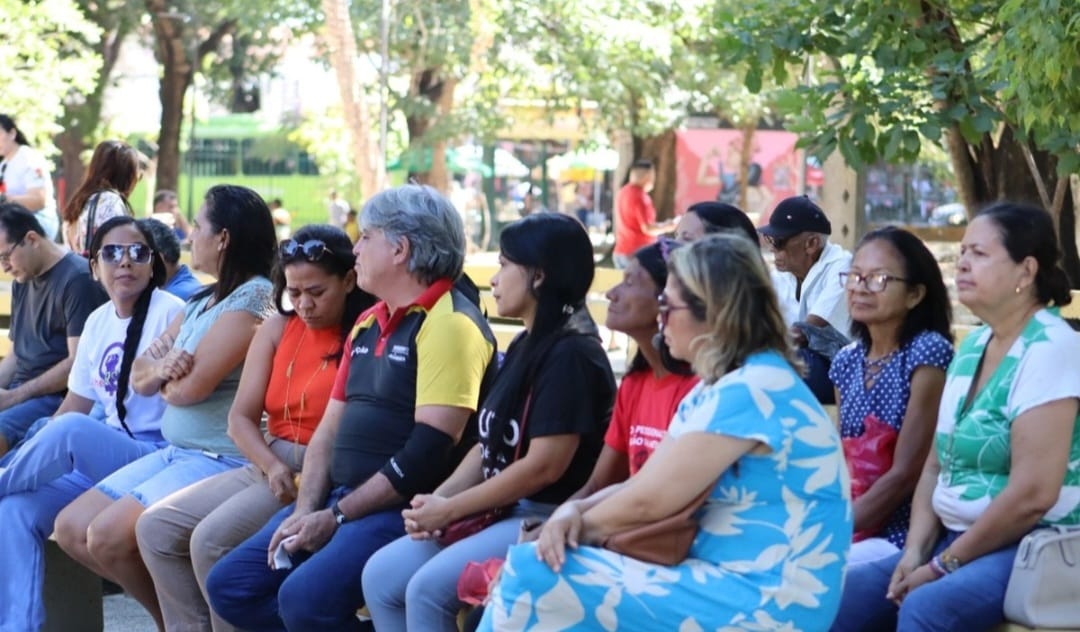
{"x": 51, "y": 296}
{"x": 810, "y": 297}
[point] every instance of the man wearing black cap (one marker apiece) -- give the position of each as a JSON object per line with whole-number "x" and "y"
{"x": 808, "y": 285}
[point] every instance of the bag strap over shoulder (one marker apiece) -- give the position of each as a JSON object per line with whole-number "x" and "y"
{"x": 91, "y": 214}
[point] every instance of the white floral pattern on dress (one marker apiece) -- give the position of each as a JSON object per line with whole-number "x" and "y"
{"x": 773, "y": 540}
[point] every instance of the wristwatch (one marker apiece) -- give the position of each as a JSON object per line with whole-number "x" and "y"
{"x": 339, "y": 515}
{"x": 950, "y": 562}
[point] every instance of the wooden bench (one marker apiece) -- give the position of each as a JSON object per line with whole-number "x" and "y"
{"x": 481, "y": 268}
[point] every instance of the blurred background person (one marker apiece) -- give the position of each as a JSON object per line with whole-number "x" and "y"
{"x": 103, "y": 194}
{"x": 25, "y": 177}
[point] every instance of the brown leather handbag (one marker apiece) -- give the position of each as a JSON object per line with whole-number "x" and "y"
{"x": 665, "y": 541}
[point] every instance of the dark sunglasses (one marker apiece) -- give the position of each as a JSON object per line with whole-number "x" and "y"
{"x": 312, "y": 250}
{"x": 114, "y": 253}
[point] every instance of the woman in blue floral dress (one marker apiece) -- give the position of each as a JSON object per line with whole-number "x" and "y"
{"x": 775, "y": 530}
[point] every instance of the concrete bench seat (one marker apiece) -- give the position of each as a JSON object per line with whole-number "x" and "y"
{"x": 72, "y": 594}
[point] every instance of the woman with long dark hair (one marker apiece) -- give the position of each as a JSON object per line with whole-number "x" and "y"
{"x": 196, "y": 366}
{"x": 103, "y": 194}
{"x": 74, "y": 451}
{"x": 891, "y": 376}
{"x": 288, "y": 374}
{"x": 541, "y": 429}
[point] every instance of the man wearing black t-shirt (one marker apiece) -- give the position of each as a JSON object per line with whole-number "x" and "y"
{"x": 410, "y": 381}
{"x": 51, "y": 296}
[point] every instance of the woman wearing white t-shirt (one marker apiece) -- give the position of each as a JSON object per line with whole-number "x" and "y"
{"x": 25, "y": 177}
{"x": 103, "y": 194}
{"x": 73, "y": 451}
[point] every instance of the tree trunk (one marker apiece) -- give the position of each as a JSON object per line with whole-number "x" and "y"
{"x": 429, "y": 84}
{"x": 992, "y": 172}
{"x": 660, "y": 149}
{"x": 81, "y": 120}
{"x": 174, "y": 52}
{"x": 341, "y": 43}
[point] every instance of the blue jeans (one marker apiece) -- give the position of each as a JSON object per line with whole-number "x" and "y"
{"x": 59, "y": 463}
{"x": 817, "y": 375}
{"x": 161, "y": 473}
{"x": 970, "y": 598}
{"x": 322, "y": 591}
{"x": 72, "y": 442}
{"x": 412, "y": 584}
{"x": 15, "y": 421}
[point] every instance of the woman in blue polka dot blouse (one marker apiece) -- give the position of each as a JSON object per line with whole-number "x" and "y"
{"x": 894, "y": 371}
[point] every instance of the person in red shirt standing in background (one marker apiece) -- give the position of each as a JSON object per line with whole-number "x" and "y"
{"x": 635, "y": 215}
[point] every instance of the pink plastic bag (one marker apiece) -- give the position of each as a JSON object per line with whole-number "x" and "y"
{"x": 868, "y": 457}
{"x": 476, "y": 580}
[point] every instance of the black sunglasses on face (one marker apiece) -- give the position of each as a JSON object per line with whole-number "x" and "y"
{"x": 114, "y": 253}
{"x": 312, "y": 250}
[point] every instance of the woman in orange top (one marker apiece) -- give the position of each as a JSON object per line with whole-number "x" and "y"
{"x": 288, "y": 373}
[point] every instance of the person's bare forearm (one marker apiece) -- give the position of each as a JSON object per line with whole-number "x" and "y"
{"x": 54, "y": 380}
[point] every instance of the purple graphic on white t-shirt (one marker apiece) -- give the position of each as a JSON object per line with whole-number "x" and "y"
{"x": 109, "y": 371}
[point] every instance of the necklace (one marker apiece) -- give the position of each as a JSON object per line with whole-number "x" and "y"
{"x": 871, "y": 368}
{"x": 295, "y": 421}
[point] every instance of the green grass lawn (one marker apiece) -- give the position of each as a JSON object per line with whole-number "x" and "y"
{"x": 304, "y": 196}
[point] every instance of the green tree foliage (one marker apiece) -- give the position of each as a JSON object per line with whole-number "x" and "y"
{"x": 997, "y": 82}
{"x": 47, "y": 59}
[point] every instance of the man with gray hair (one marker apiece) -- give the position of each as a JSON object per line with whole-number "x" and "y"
{"x": 808, "y": 286}
{"x": 408, "y": 385}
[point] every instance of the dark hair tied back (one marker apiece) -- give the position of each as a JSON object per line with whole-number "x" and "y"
{"x": 1028, "y": 231}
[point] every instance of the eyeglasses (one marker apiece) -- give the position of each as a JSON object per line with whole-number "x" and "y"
{"x": 872, "y": 282}
{"x": 5, "y": 256}
{"x": 312, "y": 250}
{"x": 114, "y": 253}
{"x": 666, "y": 308}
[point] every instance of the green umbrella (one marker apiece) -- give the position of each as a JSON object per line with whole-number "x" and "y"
{"x": 420, "y": 161}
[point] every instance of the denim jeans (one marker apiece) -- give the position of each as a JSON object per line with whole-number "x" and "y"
{"x": 59, "y": 463}
{"x": 412, "y": 584}
{"x": 17, "y": 420}
{"x": 971, "y": 598}
{"x": 817, "y": 375}
{"x": 322, "y": 591}
{"x": 161, "y": 473}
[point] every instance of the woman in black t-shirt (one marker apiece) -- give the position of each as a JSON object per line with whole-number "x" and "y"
{"x": 541, "y": 429}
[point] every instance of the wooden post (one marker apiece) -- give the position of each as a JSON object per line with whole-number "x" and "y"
{"x": 843, "y": 198}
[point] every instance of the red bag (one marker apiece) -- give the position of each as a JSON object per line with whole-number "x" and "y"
{"x": 868, "y": 457}
{"x": 469, "y": 525}
{"x": 477, "y": 522}
{"x": 475, "y": 582}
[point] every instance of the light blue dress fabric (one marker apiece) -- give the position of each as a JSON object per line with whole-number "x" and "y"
{"x": 773, "y": 542}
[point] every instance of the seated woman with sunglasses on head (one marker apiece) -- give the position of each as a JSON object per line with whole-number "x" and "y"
{"x": 288, "y": 374}
{"x": 196, "y": 366}
{"x": 73, "y": 450}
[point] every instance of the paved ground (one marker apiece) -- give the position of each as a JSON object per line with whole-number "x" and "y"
{"x": 124, "y": 614}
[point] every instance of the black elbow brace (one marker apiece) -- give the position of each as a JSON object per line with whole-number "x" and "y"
{"x": 421, "y": 464}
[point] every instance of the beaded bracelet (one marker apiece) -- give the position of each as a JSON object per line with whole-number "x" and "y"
{"x": 938, "y": 568}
